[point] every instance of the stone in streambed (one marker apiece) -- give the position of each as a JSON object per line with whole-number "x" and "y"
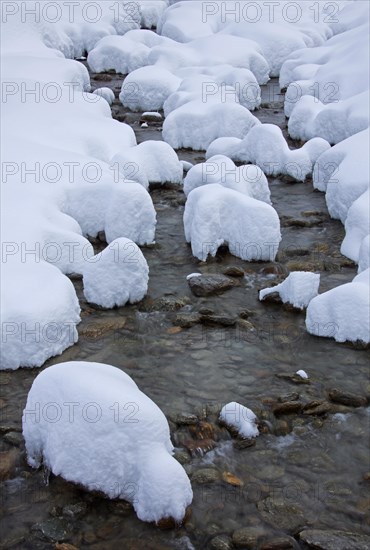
{"x": 334, "y": 540}
{"x": 207, "y": 285}
{"x": 347, "y": 398}
{"x": 289, "y": 407}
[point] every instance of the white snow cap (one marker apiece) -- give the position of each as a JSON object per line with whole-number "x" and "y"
{"x": 298, "y": 289}
{"x": 105, "y": 93}
{"x": 302, "y": 374}
{"x": 117, "y": 275}
{"x": 114, "y": 439}
{"x": 147, "y": 88}
{"x": 243, "y": 419}
{"x": 215, "y": 215}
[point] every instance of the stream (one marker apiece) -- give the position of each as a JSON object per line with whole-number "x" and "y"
{"x": 307, "y": 469}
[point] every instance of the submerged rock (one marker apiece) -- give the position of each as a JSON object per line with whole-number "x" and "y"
{"x": 334, "y": 540}
{"x": 206, "y": 285}
{"x": 347, "y": 398}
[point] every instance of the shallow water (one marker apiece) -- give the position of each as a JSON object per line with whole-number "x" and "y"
{"x": 310, "y": 477}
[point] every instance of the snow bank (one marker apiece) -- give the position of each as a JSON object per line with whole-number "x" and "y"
{"x": 215, "y": 215}
{"x": 265, "y": 146}
{"x": 119, "y": 274}
{"x": 241, "y": 418}
{"x": 147, "y": 88}
{"x": 298, "y": 289}
{"x": 115, "y": 423}
{"x": 150, "y": 162}
{"x": 342, "y": 313}
{"x": 247, "y": 179}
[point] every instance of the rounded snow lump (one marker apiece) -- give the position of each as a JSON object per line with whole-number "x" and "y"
{"x": 90, "y": 424}
{"x": 119, "y": 274}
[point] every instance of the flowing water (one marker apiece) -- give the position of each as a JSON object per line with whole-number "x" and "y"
{"x": 305, "y": 470}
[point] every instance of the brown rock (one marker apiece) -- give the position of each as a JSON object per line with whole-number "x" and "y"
{"x": 317, "y": 408}
{"x": 199, "y": 447}
{"x": 234, "y": 271}
{"x": 206, "y": 285}
{"x": 231, "y": 479}
{"x": 347, "y": 398}
{"x": 289, "y": 407}
{"x": 7, "y": 464}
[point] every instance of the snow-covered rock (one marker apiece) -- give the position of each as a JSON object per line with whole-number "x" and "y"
{"x": 364, "y": 254}
{"x": 357, "y": 227}
{"x": 302, "y": 374}
{"x": 240, "y": 418}
{"x": 215, "y": 215}
{"x": 247, "y": 179}
{"x": 298, "y": 289}
{"x": 105, "y": 93}
{"x": 90, "y": 424}
{"x": 147, "y": 88}
{"x": 117, "y": 275}
{"x": 342, "y": 313}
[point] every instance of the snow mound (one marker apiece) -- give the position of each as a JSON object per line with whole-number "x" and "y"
{"x": 265, "y": 146}
{"x": 215, "y": 215}
{"x": 147, "y": 88}
{"x": 241, "y": 418}
{"x": 298, "y": 289}
{"x": 149, "y": 162}
{"x": 105, "y": 93}
{"x": 364, "y": 254}
{"x": 115, "y": 423}
{"x": 247, "y": 179}
{"x": 357, "y": 227}
{"x": 195, "y": 124}
{"x": 342, "y": 313}
{"x": 119, "y": 274}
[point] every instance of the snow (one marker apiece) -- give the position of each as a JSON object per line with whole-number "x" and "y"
{"x": 196, "y": 124}
{"x": 298, "y": 289}
{"x": 265, "y": 146}
{"x": 147, "y": 88}
{"x": 215, "y": 215}
{"x": 247, "y": 179}
{"x": 364, "y": 254}
{"x": 105, "y": 93}
{"x": 241, "y": 418}
{"x": 357, "y": 227}
{"x": 342, "y": 313}
{"x": 102, "y": 409}
{"x": 149, "y": 162}
{"x": 302, "y": 374}
{"x": 191, "y": 275}
{"x": 117, "y": 275}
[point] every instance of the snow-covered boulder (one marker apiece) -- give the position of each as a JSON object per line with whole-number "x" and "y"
{"x": 105, "y": 93}
{"x": 298, "y": 289}
{"x": 357, "y": 227}
{"x": 215, "y": 215}
{"x": 196, "y": 124}
{"x": 342, "y": 313}
{"x": 364, "y": 255}
{"x": 149, "y": 162}
{"x": 90, "y": 424}
{"x": 240, "y": 418}
{"x": 147, "y": 88}
{"x": 117, "y": 275}
{"x": 247, "y": 179}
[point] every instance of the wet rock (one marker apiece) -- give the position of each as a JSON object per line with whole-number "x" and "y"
{"x": 221, "y": 542}
{"x": 199, "y": 447}
{"x": 151, "y": 117}
{"x": 222, "y": 320}
{"x": 102, "y": 77}
{"x": 187, "y": 320}
{"x": 246, "y": 313}
{"x": 205, "y": 475}
{"x": 334, "y": 540}
{"x": 174, "y": 330}
{"x": 203, "y": 430}
{"x": 231, "y": 479}
{"x": 289, "y": 221}
{"x": 293, "y": 378}
{"x": 169, "y": 523}
{"x": 207, "y": 285}
{"x": 170, "y": 303}
{"x": 234, "y": 271}
{"x": 281, "y": 514}
{"x": 182, "y": 457}
{"x": 65, "y": 546}
{"x": 7, "y": 464}
{"x": 317, "y": 408}
{"x": 121, "y": 508}
{"x": 55, "y": 529}
{"x": 14, "y": 438}
{"x": 270, "y": 472}
{"x": 277, "y": 269}
{"x": 244, "y": 443}
{"x": 289, "y": 407}
{"x": 279, "y": 543}
{"x": 100, "y": 327}
{"x": 75, "y": 511}
{"x": 185, "y": 419}
{"x": 293, "y": 396}
{"x": 347, "y": 398}
{"x": 282, "y": 428}
{"x": 245, "y": 325}
{"x": 247, "y": 537}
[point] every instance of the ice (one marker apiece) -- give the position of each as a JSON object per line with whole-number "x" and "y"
{"x": 247, "y": 179}
{"x": 215, "y": 215}
{"x": 241, "y": 418}
{"x": 298, "y": 289}
{"x": 117, "y": 275}
{"x": 109, "y": 436}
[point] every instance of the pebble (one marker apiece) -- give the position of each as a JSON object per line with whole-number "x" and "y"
{"x": 54, "y": 529}
{"x": 247, "y": 537}
{"x": 187, "y": 320}
{"x": 221, "y": 542}
{"x": 205, "y": 475}
{"x": 14, "y": 438}
{"x": 347, "y": 398}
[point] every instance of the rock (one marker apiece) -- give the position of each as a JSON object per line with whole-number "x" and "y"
{"x": 347, "y": 398}
{"x": 203, "y": 430}
{"x": 7, "y": 464}
{"x": 334, "y": 540}
{"x": 289, "y": 407}
{"x": 187, "y": 320}
{"x": 281, "y": 514}
{"x": 199, "y": 447}
{"x": 205, "y": 475}
{"x": 276, "y": 269}
{"x": 270, "y": 472}
{"x": 102, "y": 77}
{"x": 185, "y": 419}
{"x": 294, "y": 396}
{"x": 223, "y": 320}
{"x": 247, "y": 537}
{"x": 221, "y": 542}
{"x": 246, "y": 313}
{"x": 279, "y": 543}
{"x": 293, "y": 378}
{"x": 65, "y": 546}
{"x": 54, "y": 529}
{"x": 231, "y": 479}
{"x": 75, "y": 511}
{"x": 206, "y": 285}
{"x": 14, "y": 438}
{"x": 244, "y": 443}
{"x": 245, "y": 325}
{"x": 174, "y": 330}
{"x": 317, "y": 408}
{"x": 182, "y": 457}
{"x": 282, "y": 428}
{"x": 100, "y": 327}
{"x": 151, "y": 117}
{"x": 234, "y": 271}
